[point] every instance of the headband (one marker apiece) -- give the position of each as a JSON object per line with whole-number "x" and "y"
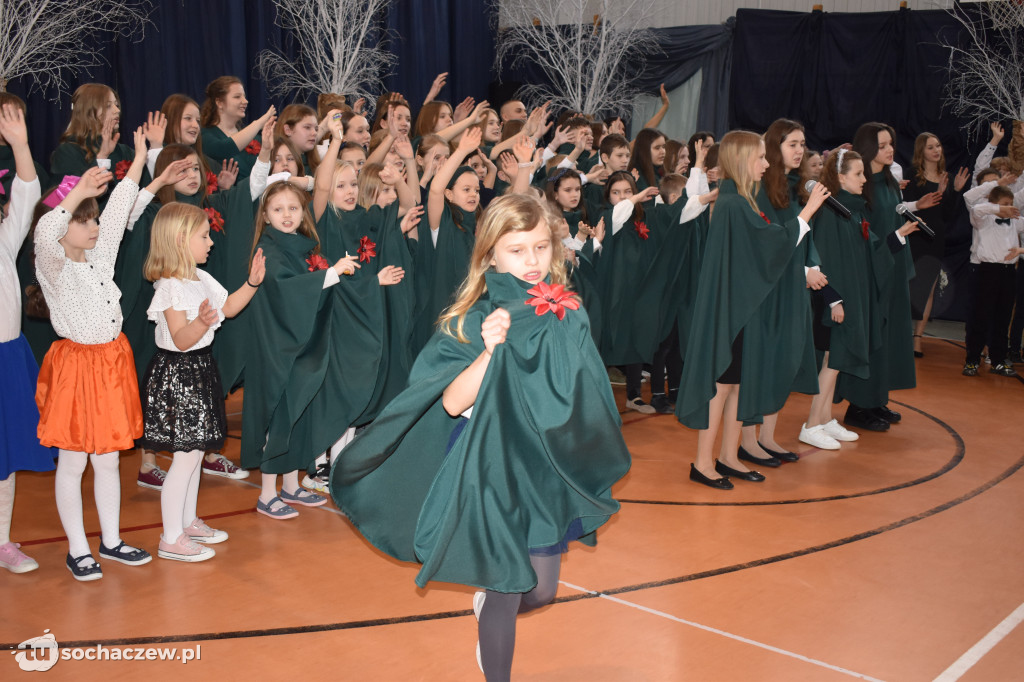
{"x": 58, "y": 195}
{"x": 458, "y": 173}
{"x": 839, "y": 160}
{"x": 558, "y": 174}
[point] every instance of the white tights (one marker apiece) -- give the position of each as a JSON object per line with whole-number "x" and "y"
{"x": 6, "y": 508}
{"x": 106, "y": 489}
{"x": 180, "y": 493}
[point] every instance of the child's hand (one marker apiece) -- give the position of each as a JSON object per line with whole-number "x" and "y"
{"x": 388, "y": 175}
{"x": 391, "y": 274}
{"x": 597, "y": 175}
{"x": 94, "y": 182}
{"x": 617, "y": 127}
{"x": 560, "y": 137}
{"x": 347, "y": 265}
{"x": 646, "y": 195}
{"x": 636, "y": 174}
{"x": 228, "y": 174}
{"x": 930, "y": 199}
{"x": 962, "y": 176}
{"x": 108, "y": 140}
{"x": 903, "y": 184}
{"x": 700, "y": 152}
{"x": 817, "y": 197}
{"x": 1013, "y": 253}
{"x": 207, "y": 314}
{"x": 509, "y": 166}
{"x": 155, "y": 127}
{"x": 561, "y": 230}
{"x": 463, "y": 109}
{"x": 478, "y": 112}
{"x": 584, "y": 231}
{"x": 838, "y": 314}
{"x": 358, "y": 105}
{"x": 267, "y": 134}
{"x": 494, "y": 329}
{"x": 1008, "y": 212}
{"x": 270, "y": 113}
{"x": 140, "y": 144}
{"x": 12, "y": 126}
{"x": 997, "y": 133}
{"x": 469, "y": 141}
{"x": 523, "y": 149}
{"x": 905, "y": 229}
{"x": 411, "y": 219}
{"x": 403, "y": 147}
{"x": 436, "y": 87}
{"x": 816, "y": 279}
{"x": 1007, "y": 180}
{"x": 708, "y": 197}
{"x": 175, "y": 172}
{"x": 599, "y": 230}
{"x": 664, "y": 95}
{"x": 258, "y": 269}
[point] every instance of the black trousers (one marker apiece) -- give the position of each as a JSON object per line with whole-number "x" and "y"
{"x": 1017, "y": 325}
{"x": 667, "y": 364}
{"x": 994, "y": 292}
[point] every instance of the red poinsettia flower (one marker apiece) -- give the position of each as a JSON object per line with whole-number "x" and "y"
{"x": 253, "y": 148}
{"x": 317, "y": 262}
{"x": 121, "y": 169}
{"x": 642, "y": 231}
{"x": 553, "y": 298}
{"x": 211, "y": 182}
{"x": 864, "y": 227}
{"x": 763, "y": 217}
{"x": 216, "y": 219}
{"x": 367, "y": 249}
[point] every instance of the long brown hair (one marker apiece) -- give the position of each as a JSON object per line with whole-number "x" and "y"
{"x": 174, "y": 108}
{"x": 307, "y": 228}
{"x": 776, "y": 185}
{"x": 865, "y": 143}
{"x": 426, "y": 121}
{"x": 509, "y": 213}
{"x": 88, "y": 106}
{"x": 217, "y": 89}
{"x": 918, "y": 161}
{"x": 833, "y": 168}
{"x": 170, "y": 154}
{"x": 641, "y": 156}
{"x": 290, "y": 116}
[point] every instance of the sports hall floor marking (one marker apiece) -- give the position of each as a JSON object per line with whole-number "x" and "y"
{"x": 723, "y": 633}
{"x": 984, "y": 645}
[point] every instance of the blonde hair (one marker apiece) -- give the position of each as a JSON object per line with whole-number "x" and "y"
{"x": 369, "y": 184}
{"x": 307, "y": 228}
{"x": 734, "y": 153}
{"x": 510, "y": 213}
{"x": 338, "y": 168}
{"x": 169, "y": 252}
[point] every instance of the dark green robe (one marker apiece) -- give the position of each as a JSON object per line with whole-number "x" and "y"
{"x": 778, "y": 342}
{"x": 744, "y": 258}
{"x": 136, "y": 291}
{"x": 312, "y": 357}
{"x": 527, "y": 464}
{"x": 70, "y": 159}
{"x": 219, "y": 147}
{"x": 892, "y": 365}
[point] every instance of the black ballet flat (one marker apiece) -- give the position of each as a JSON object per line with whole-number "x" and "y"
{"x": 772, "y": 461}
{"x": 717, "y": 483}
{"x": 888, "y": 415}
{"x": 782, "y": 456}
{"x": 726, "y": 470}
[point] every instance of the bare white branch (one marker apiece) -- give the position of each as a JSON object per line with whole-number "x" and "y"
{"x": 986, "y": 67}
{"x": 43, "y": 39}
{"x": 342, "y": 48}
{"x": 590, "y": 50}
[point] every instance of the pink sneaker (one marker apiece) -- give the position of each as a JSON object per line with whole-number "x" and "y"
{"x": 152, "y": 479}
{"x": 184, "y": 550}
{"x": 198, "y": 531}
{"x": 14, "y": 560}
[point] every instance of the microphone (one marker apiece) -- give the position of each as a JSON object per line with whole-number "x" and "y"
{"x": 906, "y": 213}
{"x": 832, "y": 202}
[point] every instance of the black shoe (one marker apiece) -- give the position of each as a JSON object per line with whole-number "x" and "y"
{"x": 87, "y": 570}
{"x": 1003, "y": 369}
{"x": 970, "y": 369}
{"x": 783, "y": 456}
{"x": 859, "y": 418}
{"x": 717, "y": 483}
{"x": 126, "y": 554}
{"x": 771, "y": 461}
{"x": 673, "y": 395}
{"x": 726, "y": 470}
{"x": 887, "y": 414}
{"x": 661, "y": 404}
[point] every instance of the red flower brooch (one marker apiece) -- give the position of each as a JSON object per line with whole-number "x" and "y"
{"x": 553, "y": 298}
{"x": 642, "y": 231}
{"x": 121, "y": 169}
{"x": 764, "y": 217}
{"x": 367, "y": 249}
{"x": 864, "y": 226}
{"x": 216, "y": 219}
{"x": 317, "y": 262}
{"x": 253, "y": 148}
{"x": 211, "y": 182}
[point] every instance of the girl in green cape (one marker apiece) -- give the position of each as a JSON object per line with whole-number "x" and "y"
{"x": 744, "y": 257}
{"x": 492, "y": 420}
{"x": 297, "y": 124}
{"x": 647, "y": 157}
{"x": 179, "y": 120}
{"x": 224, "y": 137}
{"x": 849, "y": 324}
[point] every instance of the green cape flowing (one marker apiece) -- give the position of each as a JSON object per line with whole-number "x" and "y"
{"x": 528, "y": 463}
{"x": 312, "y": 357}
{"x": 219, "y": 147}
{"x": 744, "y": 257}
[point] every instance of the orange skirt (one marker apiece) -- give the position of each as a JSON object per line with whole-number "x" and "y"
{"x": 88, "y": 397}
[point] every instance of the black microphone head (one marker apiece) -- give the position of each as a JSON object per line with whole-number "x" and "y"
{"x": 810, "y": 185}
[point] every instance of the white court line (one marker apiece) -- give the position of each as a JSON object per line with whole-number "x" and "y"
{"x": 716, "y": 631}
{"x": 976, "y": 652}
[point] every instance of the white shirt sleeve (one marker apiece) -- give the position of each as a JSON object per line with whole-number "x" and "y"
{"x": 903, "y": 240}
{"x": 144, "y": 199}
{"x": 692, "y": 209}
{"x": 983, "y": 161}
{"x": 978, "y": 193}
{"x": 151, "y": 160}
{"x": 804, "y": 229}
{"x": 332, "y": 278}
{"x": 16, "y": 225}
{"x": 103, "y": 163}
{"x": 620, "y": 214}
{"x": 693, "y": 183}
{"x": 258, "y": 178}
{"x": 547, "y": 155}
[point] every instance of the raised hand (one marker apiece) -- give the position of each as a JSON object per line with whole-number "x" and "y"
{"x": 478, "y": 111}
{"x": 463, "y": 109}
{"x": 155, "y": 127}
{"x": 140, "y": 143}
{"x": 599, "y": 230}
{"x": 664, "y": 95}
{"x": 636, "y": 174}
{"x": 700, "y": 153}
{"x": 523, "y": 149}
{"x": 93, "y": 182}
{"x": 509, "y": 166}
{"x": 271, "y": 112}
{"x": 962, "y": 176}
{"x": 930, "y": 199}
{"x": 598, "y": 175}
{"x": 585, "y": 230}
{"x": 388, "y": 175}
{"x": 258, "y": 269}
{"x": 108, "y": 140}
{"x": 228, "y": 174}
{"x": 411, "y": 219}
{"x": 175, "y": 172}
{"x": 469, "y": 141}
{"x": 1007, "y": 180}
{"x": 645, "y": 195}
{"x": 403, "y": 147}
{"x": 560, "y": 137}
{"x": 1008, "y": 212}
{"x": 391, "y": 274}
{"x": 494, "y": 329}
{"x": 943, "y": 183}
{"x": 436, "y": 87}
{"x": 997, "y": 133}
{"x": 267, "y": 133}
{"x": 12, "y": 126}
{"x": 359, "y": 105}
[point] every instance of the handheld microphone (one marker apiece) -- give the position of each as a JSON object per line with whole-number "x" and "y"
{"x": 922, "y": 225}
{"x": 832, "y": 202}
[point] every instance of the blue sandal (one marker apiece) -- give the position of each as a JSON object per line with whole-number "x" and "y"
{"x": 126, "y": 554}
{"x": 303, "y": 497}
{"x": 284, "y": 511}
{"x": 90, "y": 571}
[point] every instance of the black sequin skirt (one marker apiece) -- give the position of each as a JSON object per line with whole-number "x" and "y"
{"x": 183, "y": 403}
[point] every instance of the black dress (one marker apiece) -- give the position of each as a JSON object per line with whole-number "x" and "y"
{"x": 928, "y": 252}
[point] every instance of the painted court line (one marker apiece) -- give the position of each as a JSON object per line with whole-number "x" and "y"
{"x": 723, "y": 633}
{"x": 976, "y": 652}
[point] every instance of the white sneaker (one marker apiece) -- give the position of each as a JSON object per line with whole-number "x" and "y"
{"x": 838, "y": 432}
{"x": 316, "y": 483}
{"x": 640, "y": 406}
{"x": 817, "y": 437}
{"x": 478, "y": 604}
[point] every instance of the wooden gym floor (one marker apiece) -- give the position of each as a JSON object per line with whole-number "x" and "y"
{"x": 898, "y": 558}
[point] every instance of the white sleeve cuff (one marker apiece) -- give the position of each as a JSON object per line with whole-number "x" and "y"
{"x": 835, "y": 303}
{"x": 547, "y": 154}
{"x": 804, "y": 229}
{"x": 103, "y": 163}
{"x": 903, "y": 240}
{"x": 692, "y": 209}
{"x": 332, "y": 278}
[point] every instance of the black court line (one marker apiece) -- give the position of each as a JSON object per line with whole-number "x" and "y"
{"x": 958, "y": 457}
{"x": 351, "y": 625}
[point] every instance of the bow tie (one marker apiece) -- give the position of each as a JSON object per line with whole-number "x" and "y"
{"x": 1002, "y": 221}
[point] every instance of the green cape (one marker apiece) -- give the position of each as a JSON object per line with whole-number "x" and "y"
{"x": 527, "y": 464}
{"x": 219, "y": 147}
